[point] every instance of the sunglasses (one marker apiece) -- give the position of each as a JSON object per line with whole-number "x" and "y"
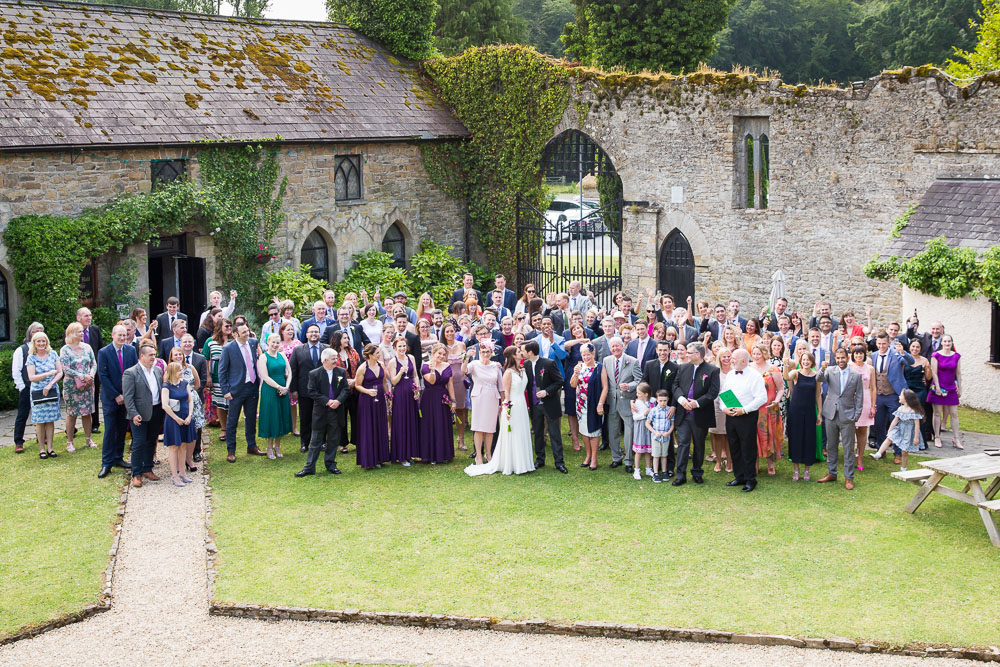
{"x": 530, "y": 291}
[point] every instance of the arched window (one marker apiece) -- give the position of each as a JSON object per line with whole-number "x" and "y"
{"x": 394, "y": 243}
{"x": 677, "y": 267}
{"x": 752, "y": 156}
{"x": 748, "y": 145}
{"x": 765, "y": 176}
{"x": 316, "y": 254}
{"x": 4, "y": 309}
{"x": 347, "y": 178}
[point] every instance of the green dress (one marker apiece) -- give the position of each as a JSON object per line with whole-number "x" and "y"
{"x": 275, "y": 413}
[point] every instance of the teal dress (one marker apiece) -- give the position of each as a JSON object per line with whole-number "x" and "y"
{"x": 275, "y": 413}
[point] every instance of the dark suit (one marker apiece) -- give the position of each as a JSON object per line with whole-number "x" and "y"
{"x": 94, "y": 338}
{"x": 302, "y": 364}
{"x": 413, "y": 346}
{"x": 323, "y": 326}
{"x": 694, "y": 425}
{"x": 632, "y": 350}
{"x": 110, "y": 373}
{"x": 166, "y": 344}
{"x": 357, "y": 334}
{"x": 546, "y": 411}
{"x": 509, "y": 299}
{"x": 163, "y": 323}
{"x": 715, "y": 328}
{"x": 459, "y": 295}
{"x": 927, "y": 345}
{"x": 328, "y": 426}
{"x": 232, "y": 377}
{"x": 560, "y": 321}
{"x": 658, "y": 379}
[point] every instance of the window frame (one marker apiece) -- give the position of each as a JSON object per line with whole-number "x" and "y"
{"x": 156, "y": 167}
{"x": 5, "y": 309}
{"x": 752, "y": 158}
{"x": 338, "y": 168}
{"x": 91, "y": 301}
{"x": 399, "y": 261}
{"x": 324, "y": 270}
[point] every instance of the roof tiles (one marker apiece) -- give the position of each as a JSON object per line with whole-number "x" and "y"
{"x": 965, "y": 212}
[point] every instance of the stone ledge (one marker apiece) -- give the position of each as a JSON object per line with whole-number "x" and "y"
{"x": 586, "y": 629}
{"x": 104, "y": 597}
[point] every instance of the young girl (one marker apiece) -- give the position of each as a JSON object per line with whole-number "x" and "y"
{"x": 904, "y": 431}
{"x": 642, "y": 440}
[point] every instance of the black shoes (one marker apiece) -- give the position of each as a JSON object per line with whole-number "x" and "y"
{"x": 584, "y": 465}
{"x": 105, "y": 471}
{"x": 334, "y": 470}
{"x": 539, "y": 464}
{"x": 122, "y": 463}
{"x": 602, "y": 447}
{"x": 656, "y": 478}
{"x": 615, "y": 464}
{"x": 303, "y": 449}
{"x": 561, "y": 468}
{"x": 197, "y": 458}
{"x": 679, "y": 480}
{"x": 699, "y": 480}
{"x": 629, "y": 470}
{"x": 304, "y": 472}
{"x": 749, "y": 486}
{"x": 734, "y": 482}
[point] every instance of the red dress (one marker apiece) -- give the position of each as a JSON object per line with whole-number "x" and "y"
{"x": 769, "y": 431}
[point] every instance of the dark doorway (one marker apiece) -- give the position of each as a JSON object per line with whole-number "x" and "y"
{"x": 677, "y": 267}
{"x": 173, "y": 273}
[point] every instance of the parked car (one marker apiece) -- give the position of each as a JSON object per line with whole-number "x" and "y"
{"x": 569, "y": 221}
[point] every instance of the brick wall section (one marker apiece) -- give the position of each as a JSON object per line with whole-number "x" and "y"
{"x": 843, "y": 166}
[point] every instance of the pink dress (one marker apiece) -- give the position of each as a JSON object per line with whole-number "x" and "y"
{"x": 457, "y": 377}
{"x": 487, "y": 383}
{"x": 286, "y": 349}
{"x": 867, "y": 377}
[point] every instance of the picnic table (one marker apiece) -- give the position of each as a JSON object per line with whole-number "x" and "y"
{"x": 971, "y": 469}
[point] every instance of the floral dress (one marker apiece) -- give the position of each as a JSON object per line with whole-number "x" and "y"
{"x": 286, "y": 349}
{"x": 79, "y": 400}
{"x": 197, "y": 411}
{"x": 583, "y": 399}
{"x": 43, "y": 413}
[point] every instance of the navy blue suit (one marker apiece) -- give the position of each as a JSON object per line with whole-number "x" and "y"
{"x": 312, "y": 320}
{"x": 232, "y": 378}
{"x": 887, "y": 404}
{"x": 632, "y": 350}
{"x": 509, "y": 300}
{"x": 166, "y": 345}
{"x": 115, "y": 416}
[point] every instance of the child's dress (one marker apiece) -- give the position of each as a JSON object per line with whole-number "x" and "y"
{"x": 642, "y": 439}
{"x": 902, "y": 433}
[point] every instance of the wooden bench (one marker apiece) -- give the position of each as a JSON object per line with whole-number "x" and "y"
{"x": 991, "y": 505}
{"x": 916, "y": 476}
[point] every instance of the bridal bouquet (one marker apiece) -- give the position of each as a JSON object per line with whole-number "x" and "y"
{"x": 506, "y": 408}
{"x": 416, "y": 398}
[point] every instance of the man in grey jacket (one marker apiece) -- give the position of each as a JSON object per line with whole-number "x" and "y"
{"x": 841, "y": 409}
{"x": 141, "y": 386}
{"x": 623, "y": 377}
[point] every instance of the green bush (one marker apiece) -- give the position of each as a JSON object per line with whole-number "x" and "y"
{"x": 372, "y": 270}
{"x": 8, "y": 392}
{"x": 295, "y": 284}
{"x": 435, "y": 270}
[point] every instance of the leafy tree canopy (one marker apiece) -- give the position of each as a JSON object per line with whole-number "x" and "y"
{"x": 985, "y": 57}
{"x": 464, "y": 23}
{"x": 247, "y": 8}
{"x": 405, "y": 27}
{"x": 544, "y": 21}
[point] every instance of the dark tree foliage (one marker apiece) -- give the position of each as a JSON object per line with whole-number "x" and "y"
{"x": 464, "y": 23}
{"x": 246, "y": 8}
{"x": 403, "y": 26}
{"x": 544, "y": 21}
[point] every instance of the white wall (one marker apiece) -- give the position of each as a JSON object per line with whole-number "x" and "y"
{"x": 968, "y": 321}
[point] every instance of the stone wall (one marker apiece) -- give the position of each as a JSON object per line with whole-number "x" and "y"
{"x": 395, "y": 189}
{"x": 843, "y": 165}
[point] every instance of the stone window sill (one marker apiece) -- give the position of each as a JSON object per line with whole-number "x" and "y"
{"x": 351, "y": 202}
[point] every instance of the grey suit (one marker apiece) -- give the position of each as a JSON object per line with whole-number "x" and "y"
{"x": 583, "y": 303}
{"x": 618, "y": 409}
{"x": 601, "y": 348}
{"x": 139, "y": 402}
{"x": 841, "y": 409}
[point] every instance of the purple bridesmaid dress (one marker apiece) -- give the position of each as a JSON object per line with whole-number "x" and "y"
{"x": 373, "y": 423}
{"x": 437, "y": 442}
{"x": 405, "y": 428}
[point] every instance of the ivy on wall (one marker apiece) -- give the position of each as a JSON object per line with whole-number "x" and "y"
{"x": 510, "y": 98}
{"x": 940, "y": 270}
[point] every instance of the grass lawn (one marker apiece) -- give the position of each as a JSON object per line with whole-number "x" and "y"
{"x": 790, "y": 558}
{"x": 979, "y": 421}
{"x": 54, "y": 535}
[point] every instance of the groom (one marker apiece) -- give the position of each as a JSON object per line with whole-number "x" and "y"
{"x": 544, "y": 384}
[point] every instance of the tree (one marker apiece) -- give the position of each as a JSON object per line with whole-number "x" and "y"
{"x": 636, "y": 35}
{"x": 464, "y": 23}
{"x": 895, "y": 33}
{"x": 985, "y": 57}
{"x": 247, "y": 8}
{"x": 805, "y": 40}
{"x": 405, "y": 27}
{"x": 544, "y": 21}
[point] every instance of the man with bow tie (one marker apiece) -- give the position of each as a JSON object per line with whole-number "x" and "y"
{"x": 741, "y": 422}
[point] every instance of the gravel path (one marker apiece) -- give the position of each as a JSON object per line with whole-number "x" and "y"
{"x": 159, "y": 616}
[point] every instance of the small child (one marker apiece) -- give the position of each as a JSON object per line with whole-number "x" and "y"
{"x": 904, "y": 431}
{"x": 642, "y": 441}
{"x": 661, "y": 425}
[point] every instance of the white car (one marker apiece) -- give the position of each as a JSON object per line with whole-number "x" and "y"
{"x": 568, "y": 221}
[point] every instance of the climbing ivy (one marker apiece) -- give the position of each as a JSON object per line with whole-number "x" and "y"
{"x": 510, "y": 98}
{"x": 940, "y": 270}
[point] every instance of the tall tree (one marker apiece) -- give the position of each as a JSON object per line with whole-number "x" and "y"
{"x": 405, "y": 27}
{"x": 247, "y": 8}
{"x": 894, "y": 33}
{"x": 464, "y": 23}
{"x": 635, "y": 35}
{"x": 805, "y": 40}
{"x": 544, "y": 21}
{"x": 985, "y": 57}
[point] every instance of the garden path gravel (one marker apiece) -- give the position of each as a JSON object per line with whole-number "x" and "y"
{"x": 159, "y": 616}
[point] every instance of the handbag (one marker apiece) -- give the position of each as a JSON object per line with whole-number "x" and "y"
{"x": 174, "y": 405}
{"x": 38, "y": 398}
{"x": 80, "y": 382}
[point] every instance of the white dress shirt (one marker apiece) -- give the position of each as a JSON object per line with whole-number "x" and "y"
{"x": 16, "y": 366}
{"x": 227, "y": 312}
{"x": 154, "y": 386}
{"x": 748, "y": 387}
{"x": 247, "y": 353}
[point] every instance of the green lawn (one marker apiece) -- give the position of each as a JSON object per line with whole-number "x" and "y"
{"x": 979, "y": 421}
{"x": 791, "y": 558}
{"x": 55, "y": 533}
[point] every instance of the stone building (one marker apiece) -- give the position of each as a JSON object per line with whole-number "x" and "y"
{"x": 103, "y": 100}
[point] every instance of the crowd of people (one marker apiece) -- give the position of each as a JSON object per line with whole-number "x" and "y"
{"x": 652, "y": 381}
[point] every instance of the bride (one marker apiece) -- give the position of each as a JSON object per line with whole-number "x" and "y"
{"x": 513, "y": 453}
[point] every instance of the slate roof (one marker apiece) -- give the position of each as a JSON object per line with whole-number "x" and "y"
{"x": 965, "y": 212}
{"x": 78, "y": 75}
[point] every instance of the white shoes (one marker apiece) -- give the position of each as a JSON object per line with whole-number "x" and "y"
{"x": 649, "y": 472}
{"x": 875, "y": 455}
{"x": 637, "y": 475}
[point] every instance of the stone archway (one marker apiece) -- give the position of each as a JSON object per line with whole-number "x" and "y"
{"x": 675, "y": 268}
{"x": 320, "y": 252}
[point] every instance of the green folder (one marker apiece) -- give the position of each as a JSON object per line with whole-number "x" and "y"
{"x": 729, "y": 399}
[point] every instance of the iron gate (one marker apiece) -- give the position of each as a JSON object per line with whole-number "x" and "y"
{"x": 555, "y": 247}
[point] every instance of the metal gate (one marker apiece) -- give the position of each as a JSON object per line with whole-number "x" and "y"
{"x": 555, "y": 247}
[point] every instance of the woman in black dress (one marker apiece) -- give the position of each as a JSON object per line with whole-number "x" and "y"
{"x": 804, "y": 412}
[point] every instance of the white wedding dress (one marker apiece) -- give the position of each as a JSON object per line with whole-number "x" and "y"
{"x": 512, "y": 451}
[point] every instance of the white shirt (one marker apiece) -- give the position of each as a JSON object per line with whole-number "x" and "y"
{"x": 17, "y": 365}
{"x": 544, "y": 345}
{"x": 247, "y": 353}
{"x": 154, "y": 386}
{"x": 748, "y": 387}
{"x": 226, "y": 312}
{"x": 826, "y": 341}
{"x": 372, "y": 330}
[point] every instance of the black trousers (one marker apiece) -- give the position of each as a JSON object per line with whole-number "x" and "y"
{"x": 742, "y": 435}
{"x": 352, "y": 418}
{"x": 538, "y": 423}
{"x": 329, "y": 434}
{"x": 144, "y": 437}
{"x": 96, "y": 414}
{"x": 305, "y": 420}
{"x": 23, "y": 411}
{"x": 690, "y": 436}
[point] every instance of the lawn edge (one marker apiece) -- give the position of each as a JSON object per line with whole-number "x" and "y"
{"x": 103, "y": 602}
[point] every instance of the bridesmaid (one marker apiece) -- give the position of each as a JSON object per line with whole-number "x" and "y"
{"x": 487, "y": 394}
{"x": 373, "y": 420}
{"x": 456, "y": 356}
{"x": 770, "y": 434}
{"x": 437, "y": 405}
{"x": 402, "y": 374}
{"x": 859, "y": 362}
{"x": 275, "y": 419}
